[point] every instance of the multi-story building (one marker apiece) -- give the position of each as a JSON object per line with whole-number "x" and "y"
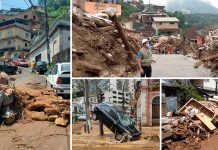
{"x": 119, "y": 89}
{"x": 166, "y": 25}
{"x": 59, "y": 41}
{"x": 15, "y": 38}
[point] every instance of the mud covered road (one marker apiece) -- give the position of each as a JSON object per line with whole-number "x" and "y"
{"x": 92, "y": 141}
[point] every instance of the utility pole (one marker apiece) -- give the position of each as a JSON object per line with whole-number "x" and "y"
{"x": 99, "y": 101}
{"x": 88, "y": 121}
{"x": 47, "y": 32}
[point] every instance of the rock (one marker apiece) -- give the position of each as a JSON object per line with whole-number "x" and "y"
{"x": 63, "y": 122}
{"x": 52, "y": 118}
{"x": 51, "y": 111}
{"x": 38, "y": 116}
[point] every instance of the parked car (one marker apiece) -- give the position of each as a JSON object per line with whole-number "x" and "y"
{"x": 41, "y": 67}
{"x": 59, "y": 79}
{"x": 82, "y": 117}
{"x": 8, "y": 67}
{"x": 21, "y": 62}
{"x": 115, "y": 119}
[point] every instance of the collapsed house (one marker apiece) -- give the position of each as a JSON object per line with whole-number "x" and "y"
{"x": 207, "y": 52}
{"x": 193, "y": 123}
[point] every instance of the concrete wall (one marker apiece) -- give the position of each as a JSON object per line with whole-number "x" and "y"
{"x": 165, "y": 25}
{"x": 59, "y": 41}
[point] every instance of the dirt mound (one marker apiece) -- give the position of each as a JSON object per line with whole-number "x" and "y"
{"x": 43, "y": 105}
{"x": 99, "y": 51}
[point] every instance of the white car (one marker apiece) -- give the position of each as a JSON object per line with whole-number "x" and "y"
{"x": 59, "y": 79}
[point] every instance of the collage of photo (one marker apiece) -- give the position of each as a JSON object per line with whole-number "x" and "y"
{"x": 108, "y": 75}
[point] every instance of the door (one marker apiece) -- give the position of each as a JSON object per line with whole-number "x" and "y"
{"x": 156, "y": 111}
{"x": 38, "y": 58}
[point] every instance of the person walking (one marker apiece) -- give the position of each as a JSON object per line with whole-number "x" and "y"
{"x": 33, "y": 66}
{"x": 145, "y": 57}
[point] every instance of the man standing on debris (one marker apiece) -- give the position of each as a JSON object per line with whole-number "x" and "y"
{"x": 145, "y": 57}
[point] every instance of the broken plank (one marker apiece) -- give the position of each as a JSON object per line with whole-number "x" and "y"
{"x": 206, "y": 121}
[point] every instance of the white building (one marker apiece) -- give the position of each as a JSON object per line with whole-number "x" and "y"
{"x": 115, "y": 93}
{"x": 59, "y": 40}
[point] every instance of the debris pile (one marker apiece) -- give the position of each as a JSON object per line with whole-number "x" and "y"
{"x": 7, "y": 115}
{"x": 195, "y": 122}
{"x": 43, "y": 105}
{"x": 99, "y": 50}
{"x": 207, "y": 54}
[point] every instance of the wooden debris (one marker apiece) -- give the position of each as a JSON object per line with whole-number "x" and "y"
{"x": 88, "y": 67}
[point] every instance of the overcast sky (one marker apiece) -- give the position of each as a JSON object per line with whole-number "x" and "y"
{"x": 164, "y": 2}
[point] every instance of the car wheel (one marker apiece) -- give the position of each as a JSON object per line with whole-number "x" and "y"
{"x": 94, "y": 117}
{"x": 118, "y": 136}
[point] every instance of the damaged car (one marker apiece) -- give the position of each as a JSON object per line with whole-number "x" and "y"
{"x": 115, "y": 119}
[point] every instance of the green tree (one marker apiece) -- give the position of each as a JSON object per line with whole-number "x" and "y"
{"x": 56, "y": 9}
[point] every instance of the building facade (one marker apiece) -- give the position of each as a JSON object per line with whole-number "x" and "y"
{"x": 148, "y": 105}
{"x": 59, "y": 40}
{"x": 166, "y": 25}
{"x": 15, "y": 38}
{"x": 95, "y": 7}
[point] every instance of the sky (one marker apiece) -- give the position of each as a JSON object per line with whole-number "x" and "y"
{"x": 7, "y": 4}
{"x": 164, "y": 2}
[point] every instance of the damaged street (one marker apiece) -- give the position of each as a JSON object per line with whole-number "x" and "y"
{"x": 35, "y": 118}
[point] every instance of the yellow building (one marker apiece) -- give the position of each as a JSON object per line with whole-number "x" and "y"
{"x": 15, "y": 37}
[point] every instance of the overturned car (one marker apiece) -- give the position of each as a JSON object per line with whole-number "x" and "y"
{"x": 115, "y": 119}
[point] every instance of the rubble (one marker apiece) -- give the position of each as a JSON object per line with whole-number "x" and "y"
{"x": 207, "y": 53}
{"x": 43, "y": 105}
{"x": 194, "y": 123}
{"x": 103, "y": 50}
{"x": 35, "y": 104}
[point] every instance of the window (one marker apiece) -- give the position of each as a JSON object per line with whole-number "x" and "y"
{"x": 9, "y": 32}
{"x": 26, "y": 44}
{"x": 114, "y": 92}
{"x": 68, "y": 38}
{"x": 54, "y": 70}
{"x": 9, "y": 42}
{"x": 26, "y": 35}
{"x": 171, "y": 22}
{"x": 25, "y": 16}
{"x": 114, "y": 97}
{"x": 34, "y": 17}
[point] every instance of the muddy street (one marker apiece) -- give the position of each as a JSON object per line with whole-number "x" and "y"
{"x": 36, "y": 135}
{"x": 149, "y": 139}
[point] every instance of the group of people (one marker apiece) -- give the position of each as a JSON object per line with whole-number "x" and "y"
{"x": 145, "y": 57}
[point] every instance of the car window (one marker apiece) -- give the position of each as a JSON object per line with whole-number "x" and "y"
{"x": 1, "y": 63}
{"x": 54, "y": 70}
{"x": 65, "y": 67}
{"x": 7, "y": 64}
{"x": 124, "y": 119}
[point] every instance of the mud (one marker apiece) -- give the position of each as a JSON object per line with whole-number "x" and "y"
{"x": 101, "y": 48}
{"x": 148, "y": 140}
